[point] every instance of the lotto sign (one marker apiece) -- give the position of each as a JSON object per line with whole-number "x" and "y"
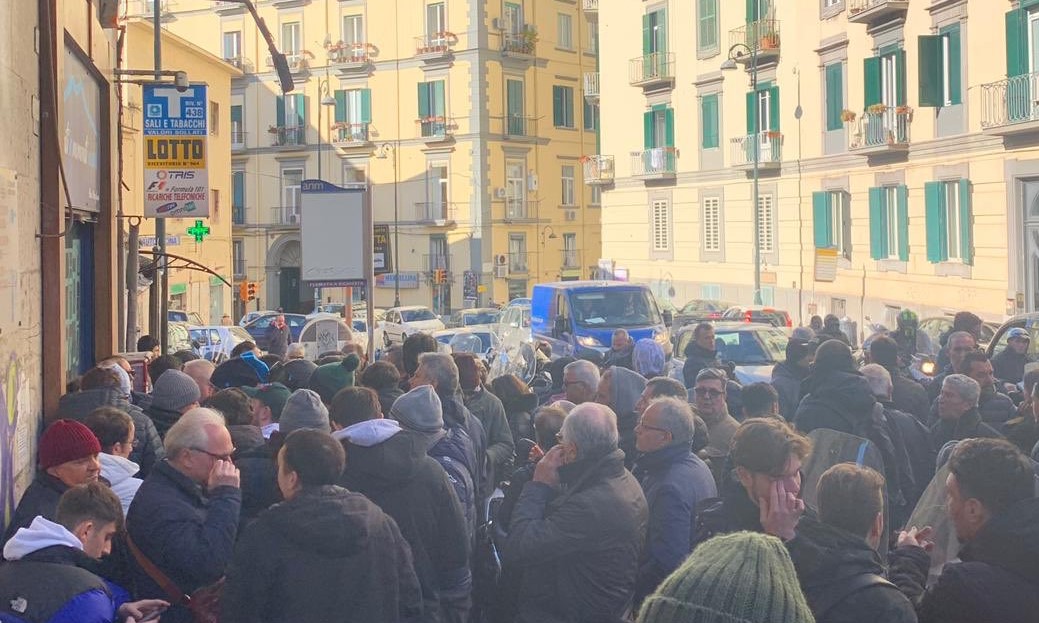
{"x": 176, "y": 180}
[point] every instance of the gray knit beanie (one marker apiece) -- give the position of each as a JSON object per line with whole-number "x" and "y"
{"x": 743, "y": 577}
{"x": 174, "y": 390}
{"x": 304, "y": 409}
{"x": 419, "y": 410}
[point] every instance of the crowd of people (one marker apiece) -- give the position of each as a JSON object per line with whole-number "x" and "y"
{"x": 413, "y": 488}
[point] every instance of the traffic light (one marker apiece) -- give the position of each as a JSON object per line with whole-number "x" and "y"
{"x": 251, "y": 291}
{"x": 439, "y": 276}
{"x": 243, "y": 291}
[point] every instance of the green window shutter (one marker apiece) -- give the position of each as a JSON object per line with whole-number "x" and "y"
{"x": 931, "y": 70}
{"x": 649, "y": 139}
{"x": 557, "y": 106}
{"x": 955, "y": 64}
{"x": 280, "y": 117}
{"x": 423, "y": 100}
{"x": 822, "y": 219}
{"x": 752, "y": 11}
{"x": 236, "y": 114}
{"x": 903, "y": 223}
{"x": 669, "y": 127}
{"x": 834, "y": 96}
{"x": 966, "y": 224}
{"x": 934, "y": 202}
{"x": 647, "y": 34}
{"x": 340, "y": 113}
{"x": 301, "y": 109}
{"x": 900, "y": 78}
{"x": 871, "y": 69}
{"x": 238, "y": 189}
{"x": 366, "y": 105}
{"x": 439, "y": 99}
{"x": 586, "y": 114}
{"x": 752, "y": 112}
{"x": 773, "y": 108}
{"x": 661, "y": 41}
{"x": 877, "y": 226}
{"x": 514, "y": 97}
{"x": 1017, "y": 42}
{"x": 709, "y": 121}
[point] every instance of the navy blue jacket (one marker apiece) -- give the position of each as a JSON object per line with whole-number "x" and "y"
{"x": 188, "y": 535}
{"x": 40, "y": 498}
{"x": 674, "y": 481}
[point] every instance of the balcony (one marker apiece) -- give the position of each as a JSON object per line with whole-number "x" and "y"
{"x": 285, "y": 216}
{"x": 518, "y": 263}
{"x": 434, "y": 46}
{"x": 882, "y": 129}
{"x": 519, "y": 127}
{"x": 238, "y": 216}
{"x": 435, "y": 213}
{"x": 228, "y": 8}
{"x": 237, "y": 140}
{"x": 590, "y": 6}
{"x": 522, "y": 44}
{"x": 571, "y": 259}
{"x": 299, "y": 62}
{"x": 347, "y": 135}
{"x": 288, "y": 137}
{"x": 1010, "y": 106}
{"x": 591, "y": 86}
{"x": 760, "y": 37}
{"x": 651, "y": 71}
{"x": 598, "y": 170}
{"x": 517, "y": 209}
{"x": 240, "y": 62}
{"x": 875, "y": 11}
{"x": 768, "y": 146}
{"x": 436, "y": 129}
{"x": 350, "y": 58}
{"x": 655, "y": 164}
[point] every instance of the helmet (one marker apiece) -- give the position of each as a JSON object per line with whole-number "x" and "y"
{"x": 907, "y": 319}
{"x": 1018, "y": 333}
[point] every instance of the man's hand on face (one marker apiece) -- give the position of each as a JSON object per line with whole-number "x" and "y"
{"x": 780, "y": 511}
{"x": 224, "y": 474}
{"x": 547, "y": 470}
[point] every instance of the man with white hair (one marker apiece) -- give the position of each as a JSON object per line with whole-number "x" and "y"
{"x": 958, "y": 416}
{"x": 578, "y": 547}
{"x": 201, "y": 370}
{"x": 184, "y": 517}
{"x": 580, "y": 381}
{"x": 295, "y": 351}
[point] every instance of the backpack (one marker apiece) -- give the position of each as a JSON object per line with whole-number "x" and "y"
{"x": 835, "y": 595}
{"x": 454, "y": 451}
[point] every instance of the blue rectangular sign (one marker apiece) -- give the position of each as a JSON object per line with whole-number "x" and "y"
{"x": 171, "y": 112}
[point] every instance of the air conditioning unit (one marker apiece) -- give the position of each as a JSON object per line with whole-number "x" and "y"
{"x": 499, "y": 193}
{"x": 500, "y": 260}
{"x": 294, "y": 219}
{"x": 501, "y": 272}
{"x": 496, "y": 23}
{"x": 532, "y": 182}
{"x": 570, "y": 215}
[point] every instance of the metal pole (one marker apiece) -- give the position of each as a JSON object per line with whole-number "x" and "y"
{"x": 757, "y": 158}
{"x": 161, "y": 277}
{"x": 396, "y": 232}
{"x": 320, "y": 105}
{"x": 133, "y": 267}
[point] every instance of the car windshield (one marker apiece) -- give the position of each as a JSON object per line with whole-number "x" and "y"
{"x": 466, "y": 342}
{"x": 614, "y": 308}
{"x": 239, "y": 334}
{"x": 745, "y": 347}
{"x": 486, "y": 317}
{"x": 415, "y": 315}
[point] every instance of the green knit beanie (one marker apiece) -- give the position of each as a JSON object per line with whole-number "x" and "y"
{"x": 744, "y": 577}
{"x": 328, "y": 379}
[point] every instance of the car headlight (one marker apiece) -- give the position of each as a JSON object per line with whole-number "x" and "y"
{"x": 589, "y": 341}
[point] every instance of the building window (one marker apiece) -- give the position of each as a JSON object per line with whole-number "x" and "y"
{"x": 232, "y": 45}
{"x": 237, "y": 126}
{"x": 766, "y": 223}
{"x": 885, "y": 83}
{"x": 291, "y": 119}
{"x": 707, "y": 26}
{"x": 436, "y": 18}
{"x": 712, "y": 224}
{"x": 291, "y": 199}
{"x": 832, "y": 221}
{"x": 949, "y": 221}
{"x": 659, "y": 127}
{"x": 517, "y": 253}
{"x": 565, "y": 31}
{"x": 238, "y": 255}
{"x": 709, "y": 122}
{"x": 710, "y": 291}
{"x": 353, "y": 114}
{"x": 567, "y": 174}
{"x": 889, "y": 223}
{"x": 570, "y": 259}
{"x": 214, "y": 118}
{"x": 437, "y": 195}
{"x": 834, "y": 76}
{"x": 215, "y": 211}
{"x": 432, "y": 108}
{"x": 591, "y": 116}
{"x": 291, "y": 38}
{"x": 661, "y": 225}
{"x": 654, "y": 32}
{"x": 515, "y": 189}
{"x": 238, "y": 197}
{"x": 596, "y": 196}
{"x": 941, "y": 61}
{"x": 353, "y": 29}
{"x": 563, "y": 106}
{"x": 593, "y": 37}
{"x": 354, "y": 174}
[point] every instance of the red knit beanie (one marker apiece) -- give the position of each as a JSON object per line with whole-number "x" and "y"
{"x": 64, "y": 441}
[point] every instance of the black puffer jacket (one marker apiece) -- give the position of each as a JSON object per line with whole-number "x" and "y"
{"x": 327, "y": 554}
{"x": 520, "y": 413}
{"x": 697, "y": 358}
{"x": 909, "y": 396}
{"x": 40, "y": 498}
{"x": 148, "y": 448}
{"x": 259, "y": 475}
{"x": 827, "y": 559}
{"x": 578, "y": 548}
{"x": 835, "y": 399}
{"x": 163, "y": 419}
{"x": 997, "y": 580}
{"x": 787, "y": 379}
{"x": 413, "y": 489}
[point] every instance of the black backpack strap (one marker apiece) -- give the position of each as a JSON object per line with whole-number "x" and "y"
{"x": 834, "y": 594}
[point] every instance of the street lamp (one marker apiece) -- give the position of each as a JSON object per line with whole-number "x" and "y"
{"x": 737, "y": 52}
{"x": 326, "y": 101}
{"x": 384, "y": 151}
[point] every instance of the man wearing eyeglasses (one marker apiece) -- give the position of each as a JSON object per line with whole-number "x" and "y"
{"x": 711, "y": 404}
{"x": 185, "y": 516}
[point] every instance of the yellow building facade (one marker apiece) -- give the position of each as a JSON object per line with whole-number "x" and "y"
{"x": 189, "y": 290}
{"x": 467, "y": 121}
{"x": 895, "y": 144}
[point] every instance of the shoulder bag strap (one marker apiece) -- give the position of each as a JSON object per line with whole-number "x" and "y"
{"x": 176, "y": 596}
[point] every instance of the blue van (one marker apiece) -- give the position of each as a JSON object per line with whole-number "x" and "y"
{"x": 578, "y": 318}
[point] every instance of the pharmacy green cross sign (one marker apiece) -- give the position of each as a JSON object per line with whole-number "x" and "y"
{"x": 199, "y": 231}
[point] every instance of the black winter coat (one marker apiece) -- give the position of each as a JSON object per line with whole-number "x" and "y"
{"x": 909, "y": 396}
{"x": 835, "y": 399}
{"x": 967, "y": 427}
{"x": 697, "y": 358}
{"x": 259, "y": 476}
{"x": 327, "y": 554}
{"x": 732, "y": 512}
{"x": 520, "y": 413}
{"x": 787, "y": 379}
{"x": 916, "y": 439}
{"x": 387, "y": 397}
{"x": 189, "y": 534}
{"x": 413, "y": 489}
{"x": 827, "y": 559}
{"x": 997, "y": 580}
{"x": 1009, "y": 366}
{"x": 578, "y": 547}
{"x": 40, "y": 498}
{"x": 148, "y": 448}
{"x": 163, "y": 419}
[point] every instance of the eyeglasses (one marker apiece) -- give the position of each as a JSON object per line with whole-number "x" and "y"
{"x": 219, "y": 457}
{"x": 704, "y": 392}
{"x": 648, "y": 427}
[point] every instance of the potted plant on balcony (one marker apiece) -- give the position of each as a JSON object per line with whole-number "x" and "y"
{"x": 774, "y": 135}
{"x": 904, "y": 110}
{"x": 848, "y": 116}
{"x": 529, "y": 39}
{"x": 877, "y": 109}
{"x": 770, "y": 41}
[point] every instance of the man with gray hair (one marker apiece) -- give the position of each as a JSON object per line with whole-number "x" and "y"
{"x": 184, "y": 517}
{"x": 958, "y": 416}
{"x": 201, "y": 370}
{"x": 580, "y": 381}
{"x": 579, "y": 526}
{"x": 958, "y": 345}
{"x": 674, "y": 481}
{"x": 621, "y": 349}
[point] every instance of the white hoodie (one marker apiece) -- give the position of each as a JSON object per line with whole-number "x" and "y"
{"x": 41, "y": 533}
{"x": 119, "y": 472}
{"x": 368, "y": 433}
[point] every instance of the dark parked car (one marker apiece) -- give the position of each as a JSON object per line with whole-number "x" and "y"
{"x": 758, "y": 313}
{"x": 473, "y": 316}
{"x": 258, "y": 327}
{"x": 700, "y": 310}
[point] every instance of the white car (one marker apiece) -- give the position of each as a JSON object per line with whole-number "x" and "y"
{"x": 404, "y": 321}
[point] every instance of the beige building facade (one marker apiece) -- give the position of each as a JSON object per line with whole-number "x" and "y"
{"x": 896, "y": 145}
{"x": 466, "y": 119}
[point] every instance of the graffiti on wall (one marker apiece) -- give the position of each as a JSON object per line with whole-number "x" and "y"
{"x": 15, "y": 432}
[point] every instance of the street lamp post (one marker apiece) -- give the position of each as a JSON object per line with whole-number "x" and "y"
{"x": 326, "y": 101}
{"x": 736, "y": 52}
{"x": 384, "y": 151}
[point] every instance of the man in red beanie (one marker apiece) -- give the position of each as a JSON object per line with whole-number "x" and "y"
{"x": 68, "y": 457}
